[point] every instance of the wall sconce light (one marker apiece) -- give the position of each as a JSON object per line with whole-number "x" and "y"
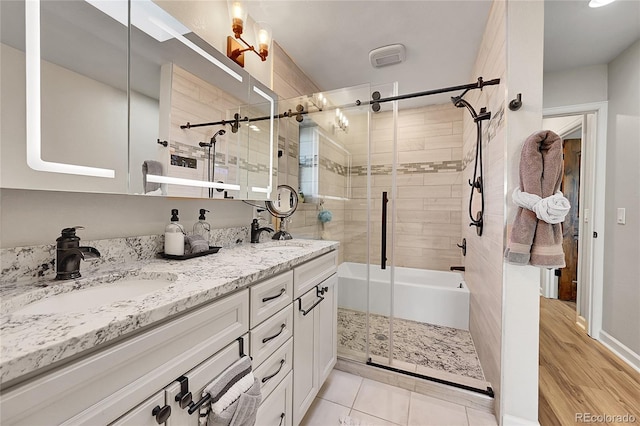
{"x": 235, "y": 50}
{"x": 342, "y": 122}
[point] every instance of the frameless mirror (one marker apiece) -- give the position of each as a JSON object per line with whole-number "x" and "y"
{"x": 105, "y": 113}
{"x": 64, "y": 96}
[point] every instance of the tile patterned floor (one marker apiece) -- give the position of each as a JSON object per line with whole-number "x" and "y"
{"x": 440, "y": 348}
{"x": 369, "y": 403}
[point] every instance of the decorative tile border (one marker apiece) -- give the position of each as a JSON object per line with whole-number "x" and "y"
{"x": 410, "y": 168}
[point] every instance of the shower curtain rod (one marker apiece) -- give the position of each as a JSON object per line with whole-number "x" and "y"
{"x": 375, "y": 103}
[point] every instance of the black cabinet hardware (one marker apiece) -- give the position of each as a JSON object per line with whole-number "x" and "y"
{"x": 266, "y": 299}
{"x": 266, "y": 379}
{"x": 305, "y": 312}
{"x": 161, "y": 413}
{"x": 266, "y": 339}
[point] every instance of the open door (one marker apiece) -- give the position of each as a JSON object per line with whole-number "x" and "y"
{"x": 568, "y": 282}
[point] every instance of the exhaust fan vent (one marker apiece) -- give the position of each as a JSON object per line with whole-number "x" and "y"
{"x": 387, "y": 55}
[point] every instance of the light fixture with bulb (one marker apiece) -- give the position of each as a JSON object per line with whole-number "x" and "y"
{"x": 342, "y": 122}
{"x": 599, "y": 3}
{"x": 235, "y": 50}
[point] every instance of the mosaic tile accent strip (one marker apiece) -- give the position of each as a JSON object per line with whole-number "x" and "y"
{"x": 410, "y": 168}
{"x": 441, "y": 348}
{"x": 28, "y": 263}
{"x": 307, "y": 161}
{"x": 190, "y": 151}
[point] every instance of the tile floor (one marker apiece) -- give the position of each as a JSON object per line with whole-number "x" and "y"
{"x": 371, "y": 403}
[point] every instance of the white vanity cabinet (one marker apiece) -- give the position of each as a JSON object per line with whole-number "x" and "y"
{"x": 100, "y": 387}
{"x": 142, "y": 379}
{"x": 315, "y": 326}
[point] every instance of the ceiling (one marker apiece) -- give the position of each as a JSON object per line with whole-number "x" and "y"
{"x": 330, "y": 40}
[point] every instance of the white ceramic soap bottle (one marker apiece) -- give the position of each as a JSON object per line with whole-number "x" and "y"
{"x": 174, "y": 236}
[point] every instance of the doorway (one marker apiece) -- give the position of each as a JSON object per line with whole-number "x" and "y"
{"x": 568, "y": 279}
{"x": 583, "y": 130}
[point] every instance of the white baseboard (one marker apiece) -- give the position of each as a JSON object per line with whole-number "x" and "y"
{"x": 621, "y": 351}
{"x": 508, "y": 420}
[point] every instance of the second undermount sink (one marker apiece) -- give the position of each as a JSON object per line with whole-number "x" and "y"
{"x": 100, "y": 294}
{"x": 281, "y": 246}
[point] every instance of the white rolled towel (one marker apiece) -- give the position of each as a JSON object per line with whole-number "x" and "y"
{"x": 552, "y": 209}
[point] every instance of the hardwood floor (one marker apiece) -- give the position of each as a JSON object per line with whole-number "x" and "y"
{"x": 580, "y": 375}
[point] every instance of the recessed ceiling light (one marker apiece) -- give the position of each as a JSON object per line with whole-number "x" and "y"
{"x": 600, "y": 3}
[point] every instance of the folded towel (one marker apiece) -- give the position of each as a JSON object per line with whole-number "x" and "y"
{"x": 195, "y": 244}
{"x": 153, "y": 168}
{"x": 235, "y": 396}
{"x": 156, "y": 193}
{"x": 242, "y": 412}
{"x": 533, "y": 241}
{"x": 552, "y": 209}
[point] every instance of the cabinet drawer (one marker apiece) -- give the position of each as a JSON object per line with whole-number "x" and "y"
{"x": 113, "y": 380}
{"x": 270, "y": 335}
{"x": 276, "y": 410}
{"x": 311, "y": 273}
{"x": 143, "y": 415}
{"x": 273, "y": 370}
{"x": 270, "y": 296}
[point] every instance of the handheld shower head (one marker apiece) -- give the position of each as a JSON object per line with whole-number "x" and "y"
{"x": 205, "y": 145}
{"x": 218, "y": 133}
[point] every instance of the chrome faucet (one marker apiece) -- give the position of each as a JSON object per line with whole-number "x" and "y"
{"x": 256, "y": 231}
{"x": 69, "y": 253}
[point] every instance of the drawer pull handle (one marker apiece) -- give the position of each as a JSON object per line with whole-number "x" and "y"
{"x": 266, "y": 299}
{"x": 266, "y": 379}
{"x": 304, "y": 313}
{"x": 281, "y": 419}
{"x": 266, "y": 339}
{"x": 161, "y": 413}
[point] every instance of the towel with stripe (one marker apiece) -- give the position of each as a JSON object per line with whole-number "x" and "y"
{"x": 235, "y": 397}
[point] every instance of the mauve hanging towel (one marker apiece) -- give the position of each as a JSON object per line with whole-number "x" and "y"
{"x": 534, "y": 241}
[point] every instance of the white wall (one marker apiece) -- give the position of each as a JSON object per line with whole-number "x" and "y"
{"x": 621, "y": 309}
{"x": 520, "y": 314}
{"x": 575, "y": 86}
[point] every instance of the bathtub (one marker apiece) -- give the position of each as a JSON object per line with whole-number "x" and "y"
{"x": 435, "y": 297}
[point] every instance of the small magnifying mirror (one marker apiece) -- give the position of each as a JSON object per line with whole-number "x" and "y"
{"x": 282, "y": 207}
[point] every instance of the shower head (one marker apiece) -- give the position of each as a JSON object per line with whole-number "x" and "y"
{"x": 218, "y": 133}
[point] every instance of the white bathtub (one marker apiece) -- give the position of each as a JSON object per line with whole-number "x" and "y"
{"x": 433, "y": 297}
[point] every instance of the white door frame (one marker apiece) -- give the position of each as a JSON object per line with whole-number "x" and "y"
{"x": 595, "y": 183}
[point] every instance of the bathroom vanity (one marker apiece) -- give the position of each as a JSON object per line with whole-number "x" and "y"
{"x": 144, "y": 360}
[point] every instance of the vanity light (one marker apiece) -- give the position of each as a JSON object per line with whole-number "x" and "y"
{"x": 235, "y": 50}
{"x": 342, "y": 122}
{"x": 599, "y": 3}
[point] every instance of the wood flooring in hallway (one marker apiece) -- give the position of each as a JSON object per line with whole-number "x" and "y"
{"x": 579, "y": 376}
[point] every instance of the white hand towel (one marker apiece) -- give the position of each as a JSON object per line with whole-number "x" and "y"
{"x": 551, "y": 209}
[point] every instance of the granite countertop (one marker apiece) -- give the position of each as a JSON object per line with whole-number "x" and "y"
{"x": 30, "y": 342}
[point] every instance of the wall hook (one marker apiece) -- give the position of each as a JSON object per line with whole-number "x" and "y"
{"x": 463, "y": 246}
{"x": 516, "y": 103}
{"x": 163, "y": 143}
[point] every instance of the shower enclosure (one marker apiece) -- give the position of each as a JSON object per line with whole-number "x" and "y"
{"x": 393, "y": 177}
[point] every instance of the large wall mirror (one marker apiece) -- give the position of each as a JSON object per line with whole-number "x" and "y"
{"x": 77, "y": 117}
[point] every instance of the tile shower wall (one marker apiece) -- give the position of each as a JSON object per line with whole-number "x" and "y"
{"x": 429, "y": 185}
{"x": 195, "y": 101}
{"x": 483, "y": 262}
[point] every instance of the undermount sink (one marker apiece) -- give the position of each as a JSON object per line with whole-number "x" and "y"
{"x": 97, "y": 295}
{"x": 281, "y": 246}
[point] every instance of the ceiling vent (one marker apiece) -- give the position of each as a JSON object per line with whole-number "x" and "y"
{"x": 387, "y": 55}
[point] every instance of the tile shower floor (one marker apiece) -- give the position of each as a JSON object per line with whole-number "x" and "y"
{"x": 440, "y": 348}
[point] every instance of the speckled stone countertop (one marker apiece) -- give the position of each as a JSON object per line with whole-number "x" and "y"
{"x": 30, "y": 342}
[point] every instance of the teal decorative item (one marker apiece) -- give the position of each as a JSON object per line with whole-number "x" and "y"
{"x": 325, "y": 216}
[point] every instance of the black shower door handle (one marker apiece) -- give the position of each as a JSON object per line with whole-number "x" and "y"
{"x": 383, "y": 254}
